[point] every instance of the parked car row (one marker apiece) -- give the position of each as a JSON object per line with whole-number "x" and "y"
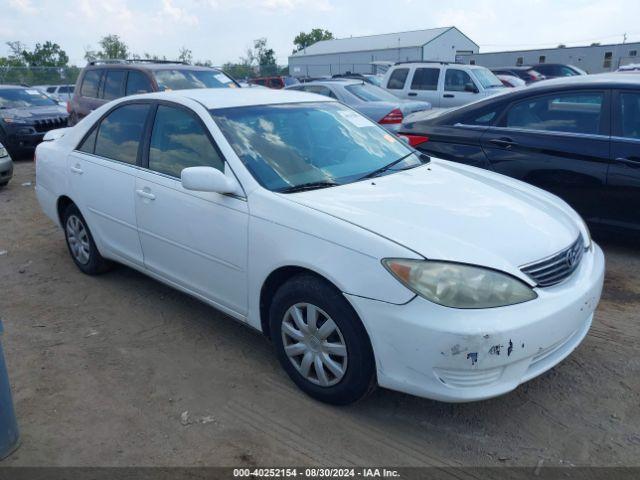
{"x": 373, "y": 102}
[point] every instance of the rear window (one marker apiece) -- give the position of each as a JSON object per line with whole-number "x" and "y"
{"x": 113, "y": 84}
{"x": 371, "y": 93}
{"x": 90, "y": 84}
{"x": 181, "y": 79}
{"x": 397, "y": 78}
{"x": 120, "y": 133}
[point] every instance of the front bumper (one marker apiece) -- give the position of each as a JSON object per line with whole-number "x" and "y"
{"x": 6, "y": 169}
{"x": 21, "y": 142}
{"x": 457, "y": 355}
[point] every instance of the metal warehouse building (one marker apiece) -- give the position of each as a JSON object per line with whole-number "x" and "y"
{"x": 593, "y": 59}
{"x": 356, "y": 54}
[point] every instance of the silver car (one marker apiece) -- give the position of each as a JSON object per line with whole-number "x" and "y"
{"x": 6, "y": 166}
{"x": 373, "y": 102}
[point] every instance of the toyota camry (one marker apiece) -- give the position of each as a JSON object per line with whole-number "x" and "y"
{"x": 364, "y": 261}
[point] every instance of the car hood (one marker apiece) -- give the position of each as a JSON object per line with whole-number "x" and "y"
{"x": 443, "y": 212}
{"x": 34, "y": 113}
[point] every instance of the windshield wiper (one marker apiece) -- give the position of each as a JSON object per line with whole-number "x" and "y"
{"x": 380, "y": 170}
{"x": 308, "y": 186}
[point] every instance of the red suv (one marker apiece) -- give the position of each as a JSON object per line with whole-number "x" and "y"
{"x": 105, "y": 80}
{"x": 274, "y": 82}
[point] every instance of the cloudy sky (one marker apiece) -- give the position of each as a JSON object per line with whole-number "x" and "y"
{"x": 221, "y": 30}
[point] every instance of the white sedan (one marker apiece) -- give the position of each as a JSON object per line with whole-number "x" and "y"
{"x": 365, "y": 262}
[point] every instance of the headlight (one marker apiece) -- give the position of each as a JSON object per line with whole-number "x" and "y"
{"x": 3, "y": 152}
{"x": 457, "y": 285}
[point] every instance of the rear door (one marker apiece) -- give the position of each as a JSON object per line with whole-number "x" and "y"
{"x": 558, "y": 142}
{"x": 89, "y": 98}
{"x": 424, "y": 85}
{"x": 622, "y": 201}
{"x": 102, "y": 174}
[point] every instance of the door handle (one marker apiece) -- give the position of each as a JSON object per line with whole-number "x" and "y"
{"x": 146, "y": 194}
{"x": 503, "y": 142}
{"x": 448, "y": 95}
{"x": 412, "y": 94}
{"x": 77, "y": 169}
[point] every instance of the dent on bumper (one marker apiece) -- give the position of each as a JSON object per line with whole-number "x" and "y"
{"x": 465, "y": 355}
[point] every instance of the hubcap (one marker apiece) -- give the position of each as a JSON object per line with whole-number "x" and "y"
{"x": 78, "y": 239}
{"x": 314, "y": 344}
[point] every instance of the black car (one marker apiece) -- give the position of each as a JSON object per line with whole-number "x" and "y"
{"x": 576, "y": 137}
{"x": 26, "y": 114}
{"x": 528, "y": 74}
{"x": 555, "y": 70}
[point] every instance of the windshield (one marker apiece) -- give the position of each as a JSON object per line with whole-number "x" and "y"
{"x": 375, "y": 80}
{"x": 24, "y": 98}
{"x": 486, "y": 78}
{"x": 286, "y": 146}
{"x": 371, "y": 93}
{"x": 176, "y": 79}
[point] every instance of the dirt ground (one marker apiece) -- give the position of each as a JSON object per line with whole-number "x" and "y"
{"x": 104, "y": 368}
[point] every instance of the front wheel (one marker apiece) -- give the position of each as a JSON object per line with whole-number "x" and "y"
{"x": 81, "y": 246}
{"x": 320, "y": 341}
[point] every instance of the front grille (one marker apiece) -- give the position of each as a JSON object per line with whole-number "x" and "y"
{"x": 553, "y": 270}
{"x": 47, "y": 124}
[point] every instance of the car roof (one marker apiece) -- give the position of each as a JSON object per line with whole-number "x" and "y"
{"x": 599, "y": 80}
{"x": 7, "y": 87}
{"x": 147, "y": 66}
{"x": 236, "y": 97}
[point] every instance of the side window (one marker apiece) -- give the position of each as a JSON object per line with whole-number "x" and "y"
{"x": 481, "y": 117}
{"x": 397, "y": 78}
{"x": 630, "y": 106}
{"x": 425, "y": 79}
{"x": 179, "y": 141}
{"x": 120, "y": 133}
{"x": 89, "y": 143}
{"x": 455, "y": 80}
{"x": 113, "y": 84}
{"x": 565, "y": 112}
{"x": 90, "y": 84}
{"x": 137, "y": 82}
{"x": 51, "y": 89}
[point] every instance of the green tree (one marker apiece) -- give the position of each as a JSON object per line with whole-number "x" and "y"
{"x": 112, "y": 48}
{"x": 303, "y": 40}
{"x": 185, "y": 55}
{"x": 48, "y": 54}
{"x": 265, "y": 57}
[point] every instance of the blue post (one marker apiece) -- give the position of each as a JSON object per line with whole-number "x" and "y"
{"x": 9, "y": 434}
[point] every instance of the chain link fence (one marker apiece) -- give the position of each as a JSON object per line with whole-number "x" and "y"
{"x": 39, "y": 75}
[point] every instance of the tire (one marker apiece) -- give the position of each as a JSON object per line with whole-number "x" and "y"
{"x": 82, "y": 248}
{"x": 4, "y": 184}
{"x": 352, "y": 376}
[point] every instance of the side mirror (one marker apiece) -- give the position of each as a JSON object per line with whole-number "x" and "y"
{"x": 470, "y": 87}
{"x": 209, "y": 179}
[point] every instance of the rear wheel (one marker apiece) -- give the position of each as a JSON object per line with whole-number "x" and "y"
{"x": 80, "y": 243}
{"x": 320, "y": 341}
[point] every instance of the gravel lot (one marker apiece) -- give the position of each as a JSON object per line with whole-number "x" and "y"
{"x": 104, "y": 368}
